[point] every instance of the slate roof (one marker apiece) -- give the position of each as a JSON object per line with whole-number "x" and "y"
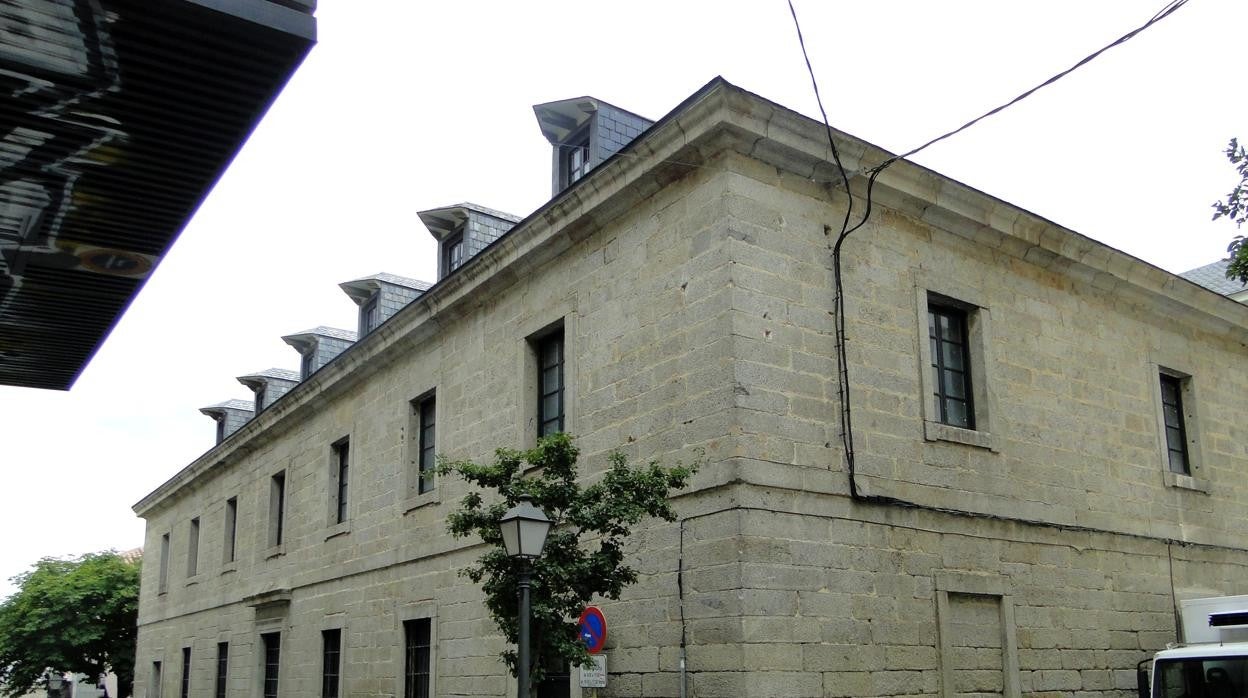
{"x": 1213, "y": 277}
{"x": 278, "y": 373}
{"x": 244, "y": 405}
{"x": 323, "y": 331}
{"x": 393, "y": 279}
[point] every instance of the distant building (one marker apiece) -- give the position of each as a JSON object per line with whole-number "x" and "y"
{"x": 1048, "y": 444}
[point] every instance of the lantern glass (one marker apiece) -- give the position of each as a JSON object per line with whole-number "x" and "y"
{"x": 524, "y": 528}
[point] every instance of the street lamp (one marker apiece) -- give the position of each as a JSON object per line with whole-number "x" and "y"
{"x": 524, "y": 528}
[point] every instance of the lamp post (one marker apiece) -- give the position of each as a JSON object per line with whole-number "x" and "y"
{"x": 524, "y": 528}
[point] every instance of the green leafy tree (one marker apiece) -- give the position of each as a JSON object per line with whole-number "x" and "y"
{"x": 76, "y": 615}
{"x": 1235, "y": 207}
{"x": 584, "y": 553}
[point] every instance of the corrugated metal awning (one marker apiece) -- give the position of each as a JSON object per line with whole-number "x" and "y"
{"x": 116, "y": 119}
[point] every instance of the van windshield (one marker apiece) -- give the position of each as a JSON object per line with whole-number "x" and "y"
{"x": 1201, "y": 677}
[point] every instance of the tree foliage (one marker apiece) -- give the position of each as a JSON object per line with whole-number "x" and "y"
{"x": 584, "y": 553}
{"x": 70, "y": 616}
{"x": 1235, "y": 207}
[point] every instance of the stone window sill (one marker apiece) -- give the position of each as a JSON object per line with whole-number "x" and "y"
{"x": 417, "y": 501}
{"x": 339, "y": 529}
{"x": 230, "y": 566}
{"x": 1186, "y": 482}
{"x": 276, "y": 551}
{"x": 935, "y": 431}
{"x": 193, "y": 580}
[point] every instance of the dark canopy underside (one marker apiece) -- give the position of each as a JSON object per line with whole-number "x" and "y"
{"x": 116, "y": 119}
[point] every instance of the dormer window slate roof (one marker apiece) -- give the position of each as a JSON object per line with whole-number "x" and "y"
{"x": 318, "y": 346}
{"x": 463, "y": 230}
{"x": 583, "y": 132}
{"x": 269, "y": 385}
{"x": 380, "y": 296}
{"x": 230, "y": 416}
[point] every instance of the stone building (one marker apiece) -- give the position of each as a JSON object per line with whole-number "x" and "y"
{"x": 1047, "y": 446}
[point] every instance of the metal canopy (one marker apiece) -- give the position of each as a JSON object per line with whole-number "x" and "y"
{"x": 116, "y": 119}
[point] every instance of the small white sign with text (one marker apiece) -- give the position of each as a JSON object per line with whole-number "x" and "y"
{"x": 595, "y": 675}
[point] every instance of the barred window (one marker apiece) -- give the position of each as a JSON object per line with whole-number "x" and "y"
{"x": 951, "y": 366}
{"x": 550, "y": 384}
{"x": 331, "y": 655}
{"x": 416, "y": 658}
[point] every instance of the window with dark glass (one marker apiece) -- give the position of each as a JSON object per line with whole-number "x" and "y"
{"x": 186, "y": 672}
{"x": 192, "y": 549}
{"x": 416, "y": 658}
{"x": 427, "y": 457}
{"x": 163, "y": 584}
{"x": 550, "y": 384}
{"x": 156, "y": 681}
{"x": 261, "y": 389}
{"x": 305, "y": 362}
{"x": 272, "y": 644}
{"x": 454, "y": 252}
{"x": 223, "y": 669}
{"x": 370, "y": 315}
{"x": 342, "y": 465}
{"x": 221, "y": 428}
{"x": 331, "y": 654}
{"x": 951, "y": 366}
{"x": 1176, "y": 429}
{"x": 277, "y": 508}
{"x": 576, "y": 160}
{"x": 231, "y": 527}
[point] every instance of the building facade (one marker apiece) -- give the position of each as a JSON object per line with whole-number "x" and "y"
{"x": 1043, "y": 453}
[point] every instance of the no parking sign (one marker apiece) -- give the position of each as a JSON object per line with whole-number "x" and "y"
{"x": 593, "y": 629}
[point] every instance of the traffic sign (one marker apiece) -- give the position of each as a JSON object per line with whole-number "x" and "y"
{"x": 593, "y": 629}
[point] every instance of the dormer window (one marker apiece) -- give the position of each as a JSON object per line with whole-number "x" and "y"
{"x": 370, "y": 315}
{"x": 305, "y": 363}
{"x": 220, "y": 428}
{"x": 260, "y": 391}
{"x": 454, "y": 252}
{"x": 462, "y": 231}
{"x": 584, "y": 132}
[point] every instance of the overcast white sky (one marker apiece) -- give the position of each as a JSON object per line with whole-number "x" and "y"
{"x": 408, "y": 105}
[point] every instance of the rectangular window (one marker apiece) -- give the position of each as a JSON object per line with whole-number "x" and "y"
{"x": 427, "y": 457}
{"x": 1176, "y": 429}
{"x": 156, "y": 680}
{"x": 186, "y": 672}
{"x": 231, "y": 528}
{"x": 163, "y": 585}
{"x": 342, "y": 471}
{"x": 550, "y": 384}
{"x": 305, "y": 363}
{"x": 272, "y": 644}
{"x": 221, "y": 428}
{"x": 454, "y": 252}
{"x": 577, "y": 163}
{"x": 951, "y": 369}
{"x": 331, "y": 655}
{"x": 416, "y": 658}
{"x": 223, "y": 668}
{"x": 370, "y": 316}
{"x": 277, "y": 509}
{"x": 192, "y": 549}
